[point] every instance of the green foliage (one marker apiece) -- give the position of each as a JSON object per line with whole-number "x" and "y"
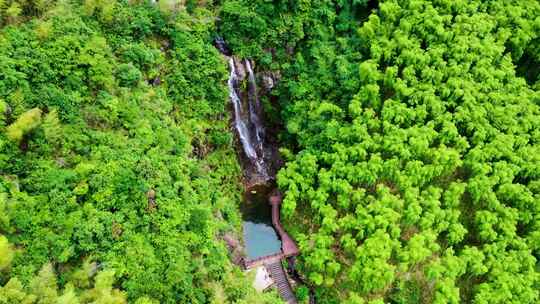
{"x": 302, "y": 294}
{"x": 6, "y": 253}
{"x": 87, "y": 132}
{"x": 25, "y": 123}
{"x": 411, "y": 143}
{"x": 43, "y": 289}
{"x": 128, "y": 75}
{"x": 104, "y": 9}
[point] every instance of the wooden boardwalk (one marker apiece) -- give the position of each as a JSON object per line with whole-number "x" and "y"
{"x": 248, "y": 264}
{"x": 273, "y": 262}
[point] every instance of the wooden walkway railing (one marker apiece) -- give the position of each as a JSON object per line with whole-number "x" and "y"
{"x": 263, "y": 260}
{"x": 288, "y": 246}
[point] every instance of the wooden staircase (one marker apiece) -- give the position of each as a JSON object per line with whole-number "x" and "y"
{"x": 282, "y": 283}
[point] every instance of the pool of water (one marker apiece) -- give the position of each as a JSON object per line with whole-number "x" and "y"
{"x": 260, "y": 238}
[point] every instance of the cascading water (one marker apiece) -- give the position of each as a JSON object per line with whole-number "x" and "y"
{"x": 239, "y": 123}
{"x": 249, "y": 127}
{"x": 255, "y": 110}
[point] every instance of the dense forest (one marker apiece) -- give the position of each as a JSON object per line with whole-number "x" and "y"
{"x": 410, "y": 132}
{"x": 117, "y": 170}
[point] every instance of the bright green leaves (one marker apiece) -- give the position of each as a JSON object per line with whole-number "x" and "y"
{"x": 131, "y": 109}
{"x": 369, "y": 72}
{"x": 52, "y": 128}
{"x": 6, "y": 253}
{"x": 434, "y": 144}
{"x": 146, "y": 59}
{"x": 95, "y": 55}
{"x": 321, "y": 259}
{"x": 390, "y": 11}
{"x": 516, "y": 276}
{"x": 297, "y": 182}
{"x": 419, "y": 247}
{"x": 369, "y": 96}
{"x": 316, "y": 278}
{"x": 103, "y": 291}
{"x": 475, "y": 260}
{"x": 13, "y": 11}
{"x": 44, "y": 285}
{"x": 44, "y": 289}
{"x": 103, "y": 8}
{"x": 128, "y": 75}
{"x": 371, "y": 271}
{"x": 13, "y": 292}
{"x": 81, "y": 188}
{"x": 247, "y": 24}
{"x": 24, "y": 124}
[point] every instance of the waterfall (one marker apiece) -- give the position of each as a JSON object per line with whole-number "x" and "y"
{"x": 249, "y": 127}
{"x": 255, "y": 111}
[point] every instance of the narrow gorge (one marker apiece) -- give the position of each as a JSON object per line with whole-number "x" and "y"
{"x": 266, "y": 243}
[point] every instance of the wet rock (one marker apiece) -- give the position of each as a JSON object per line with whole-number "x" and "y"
{"x": 222, "y": 47}
{"x": 235, "y": 249}
{"x": 240, "y": 69}
{"x": 267, "y": 82}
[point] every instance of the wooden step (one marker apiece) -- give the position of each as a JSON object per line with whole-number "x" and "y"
{"x": 282, "y": 283}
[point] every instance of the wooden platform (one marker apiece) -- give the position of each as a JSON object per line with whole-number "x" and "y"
{"x": 248, "y": 264}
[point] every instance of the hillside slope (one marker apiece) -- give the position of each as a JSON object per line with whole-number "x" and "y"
{"x": 116, "y": 156}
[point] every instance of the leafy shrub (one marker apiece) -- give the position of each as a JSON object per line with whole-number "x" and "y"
{"x": 128, "y": 75}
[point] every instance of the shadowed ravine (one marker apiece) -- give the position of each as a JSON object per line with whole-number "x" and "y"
{"x": 266, "y": 242}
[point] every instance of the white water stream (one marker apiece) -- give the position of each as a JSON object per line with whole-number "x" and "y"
{"x": 249, "y": 127}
